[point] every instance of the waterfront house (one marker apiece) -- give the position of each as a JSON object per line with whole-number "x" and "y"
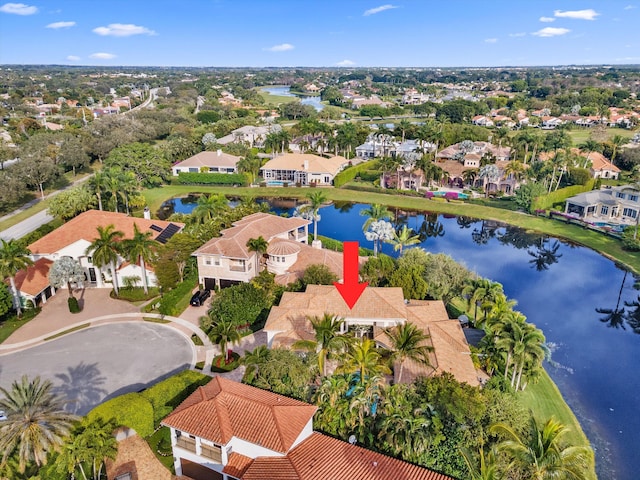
{"x": 303, "y": 169}
{"x": 619, "y": 205}
{"x": 208, "y": 162}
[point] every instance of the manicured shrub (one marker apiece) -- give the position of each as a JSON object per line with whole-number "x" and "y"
{"x": 130, "y": 410}
{"x": 175, "y": 301}
{"x": 348, "y": 174}
{"x": 73, "y": 305}
{"x": 192, "y": 178}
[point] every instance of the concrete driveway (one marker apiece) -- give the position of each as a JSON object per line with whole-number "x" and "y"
{"x": 95, "y": 364}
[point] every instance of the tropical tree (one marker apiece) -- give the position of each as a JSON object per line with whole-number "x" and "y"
{"x": 408, "y": 342}
{"x": 69, "y": 203}
{"x": 485, "y": 467}
{"x": 541, "y": 452}
{"x": 259, "y": 246}
{"x": 99, "y": 185}
{"x": 311, "y": 209}
{"x": 36, "y": 422}
{"x": 14, "y": 257}
{"x": 327, "y": 338}
{"x": 140, "y": 248}
{"x": 106, "y": 249}
{"x": 362, "y": 357}
{"x": 224, "y": 333}
{"x": 252, "y": 360}
{"x": 208, "y": 207}
{"x": 380, "y": 230}
{"x": 489, "y": 174}
{"x": 375, "y": 213}
{"x": 616, "y": 142}
{"x": 66, "y": 271}
{"x": 403, "y": 239}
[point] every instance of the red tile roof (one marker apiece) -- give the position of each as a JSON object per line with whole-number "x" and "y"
{"x": 237, "y": 465}
{"x": 218, "y": 412}
{"x": 35, "y": 278}
{"x": 84, "y": 227}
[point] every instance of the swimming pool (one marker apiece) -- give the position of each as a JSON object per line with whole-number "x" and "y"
{"x": 613, "y": 226}
{"x": 449, "y": 195}
{"x": 277, "y": 183}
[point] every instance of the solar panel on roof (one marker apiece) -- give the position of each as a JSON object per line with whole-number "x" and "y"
{"x": 168, "y": 232}
{"x": 156, "y": 228}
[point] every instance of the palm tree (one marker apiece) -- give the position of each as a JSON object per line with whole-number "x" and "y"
{"x": 259, "y": 246}
{"x": 14, "y": 257}
{"x": 541, "y": 452}
{"x": 106, "y": 250}
{"x": 363, "y": 358}
{"x": 403, "y": 239}
{"x": 140, "y": 248}
{"x": 485, "y": 467}
{"x": 99, "y": 184}
{"x": 327, "y": 338}
{"x": 408, "y": 342}
{"x": 489, "y": 174}
{"x": 316, "y": 199}
{"x": 375, "y": 213}
{"x": 616, "y": 142}
{"x": 36, "y": 422}
{"x": 113, "y": 184}
{"x": 252, "y": 360}
{"x": 208, "y": 207}
{"x": 222, "y": 334}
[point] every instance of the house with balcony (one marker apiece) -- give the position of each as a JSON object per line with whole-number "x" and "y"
{"x": 208, "y": 162}
{"x": 226, "y": 260}
{"x": 230, "y": 431}
{"x": 74, "y": 237}
{"x": 303, "y": 168}
{"x": 618, "y": 205}
{"x": 377, "y": 309}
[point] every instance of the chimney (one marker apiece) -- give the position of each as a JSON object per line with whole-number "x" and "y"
{"x": 306, "y": 164}
{"x": 147, "y": 213}
{"x": 219, "y": 152}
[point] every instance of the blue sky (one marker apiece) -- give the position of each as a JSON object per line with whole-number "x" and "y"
{"x": 322, "y": 33}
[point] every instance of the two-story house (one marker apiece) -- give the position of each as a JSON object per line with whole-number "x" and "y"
{"x": 74, "y": 238}
{"x": 227, "y": 430}
{"x": 377, "y": 309}
{"x": 611, "y": 205}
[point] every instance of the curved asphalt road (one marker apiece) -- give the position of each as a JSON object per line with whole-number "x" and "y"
{"x": 95, "y": 364}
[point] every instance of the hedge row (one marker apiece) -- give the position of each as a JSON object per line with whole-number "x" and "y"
{"x": 145, "y": 410}
{"x": 544, "y": 202}
{"x": 350, "y": 173}
{"x": 189, "y": 178}
{"x": 337, "y": 245}
{"x": 175, "y": 301}
{"x": 388, "y": 191}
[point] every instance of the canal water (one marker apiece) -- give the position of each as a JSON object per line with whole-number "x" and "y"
{"x": 585, "y": 304}
{"x": 314, "y": 101}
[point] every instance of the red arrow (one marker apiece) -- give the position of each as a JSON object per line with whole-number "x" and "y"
{"x": 350, "y": 289}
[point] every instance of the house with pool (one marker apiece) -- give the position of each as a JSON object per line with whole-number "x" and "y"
{"x": 303, "y": 168}
{"x": 226, "y": 260}
{"x": 611, "y": 205}
{"x": 227, "y": 430}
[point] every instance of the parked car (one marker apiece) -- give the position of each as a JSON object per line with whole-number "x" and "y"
{"x": 199, "y": 297}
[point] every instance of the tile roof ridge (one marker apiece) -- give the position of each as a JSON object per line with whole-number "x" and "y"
{"x": 446, "y": 336}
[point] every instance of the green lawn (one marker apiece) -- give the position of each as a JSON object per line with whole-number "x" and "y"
{"x": 545, "y": 400}
{"x": 276, "y": 99}
{"x": 580, "y": 135}
{"x": 10, "y": 325}
{"x": 608, "y": 246}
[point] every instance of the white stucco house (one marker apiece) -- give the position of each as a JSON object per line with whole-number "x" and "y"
{"x": 618, "y": 205}
{"x": 74, "y": 237}
{"x": 228, "y": 430}
{"x": 208, "y": 162}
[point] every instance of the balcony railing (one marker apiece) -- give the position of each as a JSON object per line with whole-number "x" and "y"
{"x": 237, "y": 268}
{"x": 186, "y": 443}
{"x": 212, "y": 453}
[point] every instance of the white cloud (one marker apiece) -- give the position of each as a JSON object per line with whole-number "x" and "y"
{"x": 102, "y": 56}
{"x": 345, "y": 63}
{"x": 589, "y": 14}
{"x": 57, "y": 25}
{"x": 283, "y": 47}
{"x": 551, "y": 32}
{"x": 490, "y": 40}
{"x": 123, "y": 30}
{"x": 381, "y": 8}
{"x": 518, "y": 34}
{"x": 18, "y": 9}
{"x": 547, "y": 19}
{"x": 630, "y": 7}
{"x": 73, "y": 58}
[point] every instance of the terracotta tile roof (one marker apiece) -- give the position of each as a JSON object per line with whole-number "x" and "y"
{"x": 218, "y": 412}
{"x": 35, "y": 278}
{"x": 315, "y": 163}
{"x": 210, "y": 159}
{"x": 321, "y": 457}
{"x": 599, "y": 162}
{"x": 237, "y": 465}
{"x": 272, "y": 468}
{"x": 454, "y": 168}
{"x": 83, "y": 227}
{"x": 233, "y": 242}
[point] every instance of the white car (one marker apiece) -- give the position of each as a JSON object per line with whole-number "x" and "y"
{"x": 2, "y": 416}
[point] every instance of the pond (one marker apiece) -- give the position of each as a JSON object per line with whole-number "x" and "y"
{"x": 282, "y": 91}
{"x": 558, "y": 287}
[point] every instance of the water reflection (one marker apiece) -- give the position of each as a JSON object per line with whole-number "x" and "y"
{"x": 633, "y": 314}
{"x": 615, "y": 317}
{"x": 545, "y": 255}
{"x": 430, "y": 227}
